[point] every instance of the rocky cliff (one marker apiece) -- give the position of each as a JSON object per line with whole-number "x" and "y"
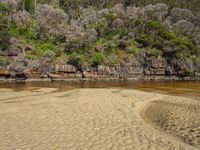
{"x": 154, "y": 42}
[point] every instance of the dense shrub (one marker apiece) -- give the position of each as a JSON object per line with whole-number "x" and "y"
{"x": 154, "y": 53}
{"x": 98, "y": 58}
{"x": 30, "y": 5}
{"x": 23, "y": 31}
{"x": 4, "y": 26}
{"x": 190, "y": 4}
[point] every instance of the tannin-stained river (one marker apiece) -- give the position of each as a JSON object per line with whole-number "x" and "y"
{"x": 180, "y": 88}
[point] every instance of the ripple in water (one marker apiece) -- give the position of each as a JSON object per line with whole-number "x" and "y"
{"x": 178, "y": 119}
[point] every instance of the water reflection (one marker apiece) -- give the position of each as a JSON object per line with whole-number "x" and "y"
{"x": 175, "y": 88}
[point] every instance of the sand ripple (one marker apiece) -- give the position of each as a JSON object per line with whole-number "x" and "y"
{"x": 178, "y": 117}
{"x": 86, "y": 119}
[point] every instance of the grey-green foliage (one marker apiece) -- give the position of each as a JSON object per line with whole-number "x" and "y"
{"x": 30, "y": 5}
{"x": 71, "y": 6}
{"x": 153, "y": 35}
{"x": 4, "y": 26}
{"x": 190, "y": 4}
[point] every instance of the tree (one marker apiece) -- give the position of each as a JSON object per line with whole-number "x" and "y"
{"x": 4, "y": 26}
{"x": 29, "y": 5}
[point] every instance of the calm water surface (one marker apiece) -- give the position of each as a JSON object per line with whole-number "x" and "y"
{"x": 174, "y": 88}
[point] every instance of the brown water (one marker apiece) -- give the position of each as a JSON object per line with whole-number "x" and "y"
{"x": 174, "y": 88}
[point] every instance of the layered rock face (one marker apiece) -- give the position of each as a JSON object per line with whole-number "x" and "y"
{"x": 79, "y": 33}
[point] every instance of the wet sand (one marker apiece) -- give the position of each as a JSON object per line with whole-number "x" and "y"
{"x": 90, "y": 119}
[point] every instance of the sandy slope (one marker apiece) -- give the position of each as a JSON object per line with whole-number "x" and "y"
{"x": 83, "y": 119}
{"x": 177, "y": 116}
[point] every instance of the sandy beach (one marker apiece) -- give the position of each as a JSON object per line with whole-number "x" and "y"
{"x": 93, "y": 119}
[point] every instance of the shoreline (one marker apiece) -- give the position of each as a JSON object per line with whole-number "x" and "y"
{"x": 144, "y": 79}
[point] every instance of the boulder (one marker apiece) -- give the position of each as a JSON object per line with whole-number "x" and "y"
{"x": 103, "y": 70}
{"x": 184, "y": 67}
{"x": 169, "y": 70}
{"x": 65, "y": 68}
{"x": 158, "y": 63}
{"x": 122, "y": 71}
{"x": 88, "y": 75}
{"x": 19, "y": 65}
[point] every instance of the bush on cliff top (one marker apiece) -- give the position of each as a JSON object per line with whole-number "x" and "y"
{"x": 153, "y": 34}
{"x": 70, "y": 5}
{"x": 4, "y": 26}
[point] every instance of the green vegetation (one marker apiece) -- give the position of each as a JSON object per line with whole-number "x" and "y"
{"x": 155, "y": 53}
{"x": 98, "y": 58}
{"x": 110, "y": 16}
{"x": 5, "y": 61}
{"x": 70, "y": 5}
{"x": 45, "y": 46}
{"x": 113, "y": 45}
{"x": 30, "y": 5}
{"x": 4, "y": 26}
{"x": 23, "y": 31}
{"x": 184, "y": 42}
{"x": 108, "y": 49}
{"x": 27, "y": 34}
{"x": 153, "y": 35}
{"x": 190, "y": 4}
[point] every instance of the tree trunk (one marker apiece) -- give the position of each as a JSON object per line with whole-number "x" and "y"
{"x": 35, "y": 3}
{"x": 23, "y": 6}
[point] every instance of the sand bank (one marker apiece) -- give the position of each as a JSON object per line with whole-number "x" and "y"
{"x": 82, "y": 119}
